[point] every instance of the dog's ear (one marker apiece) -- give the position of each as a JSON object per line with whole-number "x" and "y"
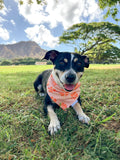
{"x": 52, "y": 54}
{"x": 86, "y": 61}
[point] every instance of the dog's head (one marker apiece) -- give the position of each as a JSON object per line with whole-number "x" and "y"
{"x": 68, "y": 68}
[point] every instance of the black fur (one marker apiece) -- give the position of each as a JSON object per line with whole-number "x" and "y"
{"x": 58, "y": 60}
{"x": 38, "y": 82}
{"x": 42, "y": 80}
{"x": 47, "y": 102}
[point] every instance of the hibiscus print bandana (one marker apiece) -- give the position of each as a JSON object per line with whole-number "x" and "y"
{"x": 63, "y": 98}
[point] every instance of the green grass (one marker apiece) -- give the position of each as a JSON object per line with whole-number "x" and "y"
{"x": 23, "y": 126}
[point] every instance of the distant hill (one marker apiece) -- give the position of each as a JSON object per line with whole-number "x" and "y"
{"x": 21, "y": 49}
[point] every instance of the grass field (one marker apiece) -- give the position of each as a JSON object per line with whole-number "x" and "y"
{"x": 23, "y": 126}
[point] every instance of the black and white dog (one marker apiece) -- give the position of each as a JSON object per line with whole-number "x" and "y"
{"x": 67, "y": 71}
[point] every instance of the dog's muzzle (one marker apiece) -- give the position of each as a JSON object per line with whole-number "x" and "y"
{"x": 70, "y": 78}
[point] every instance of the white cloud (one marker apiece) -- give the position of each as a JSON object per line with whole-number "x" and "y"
{"x": 4, "y": 10}
{"x": 34, "y": 13}
{"x": 41, "y": 35}
{"x": 13, "y": 22}
{"x": 65, "y": 12}
{"x": 4, "y": 34}
{"x": 11, "y": 42}
{"x": 2, "y": 19}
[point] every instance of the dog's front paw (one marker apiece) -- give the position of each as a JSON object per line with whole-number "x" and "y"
{"x": 53, "y": 127}
{"x": 84, "y": 118}
{"x": 41, "y": 94}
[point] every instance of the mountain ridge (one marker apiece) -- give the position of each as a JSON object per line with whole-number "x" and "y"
{"x": 22, "y": 49}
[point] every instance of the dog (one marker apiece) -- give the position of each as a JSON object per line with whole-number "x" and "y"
{"x": 61, "y": 85}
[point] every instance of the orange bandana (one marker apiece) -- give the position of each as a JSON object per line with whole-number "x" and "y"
{"x": 61, "y": 97}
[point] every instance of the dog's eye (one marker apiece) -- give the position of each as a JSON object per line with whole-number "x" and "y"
{"x": 79, "y": 64}
{"x": 62, "y": 63}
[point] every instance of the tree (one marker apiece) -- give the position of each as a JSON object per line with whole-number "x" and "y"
{"x": 104, "y": 54}
{"x": 113, "y": 54}
{"x": 111, "y": 6}
{"x": 86, "y": 36}
{"x": 5, "y": 63}
{"x": 1, "y": 4}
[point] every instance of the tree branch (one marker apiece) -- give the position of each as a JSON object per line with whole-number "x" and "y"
{"x": 89, "y": 47}
{"x": 97, "y": 42}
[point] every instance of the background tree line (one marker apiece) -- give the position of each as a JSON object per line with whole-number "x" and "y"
{"x": 21, "y": 61}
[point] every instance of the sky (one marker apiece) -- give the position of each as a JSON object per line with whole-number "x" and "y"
{"x": 44, "y": 24}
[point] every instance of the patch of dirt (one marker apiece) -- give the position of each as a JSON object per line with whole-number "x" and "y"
{"x": 113, "y": 125}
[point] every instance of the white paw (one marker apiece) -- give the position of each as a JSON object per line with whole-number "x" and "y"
{"x": 84, "y": 118}
{"x": 54, "y": 126}
{"x": 41, "y": 94}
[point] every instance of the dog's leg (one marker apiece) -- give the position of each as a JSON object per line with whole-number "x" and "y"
{"x": 54, "y": 125}
{"x": 81, "y": 115}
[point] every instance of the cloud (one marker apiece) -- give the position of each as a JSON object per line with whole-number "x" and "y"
{"x": 2, "y": 19}
{"x": 4, "y": 10}
{"x": 33, "y": 13}
{"x": 13, "y": 22}
{"x": 64, "y": 12}
{"x": 11, "y": 42}
{"x": 4, "y": 34}
{"x": 41, "y": 35}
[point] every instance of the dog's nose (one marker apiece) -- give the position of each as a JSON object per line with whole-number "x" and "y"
{"x": 70, "y": 78}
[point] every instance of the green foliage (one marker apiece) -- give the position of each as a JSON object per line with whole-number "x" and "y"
{"x": 5, "y": 63}
{"x": 108, "y": 3}
{"x": 111, "y": 6}
{"x": 1, "y": 4}
{"x": 88, "y": 36}
{"x": 41, "y": 2}
{"x": 49, "y": 63}
{"x": 25, "y": 61}
{"x": 23, "y": 126}
{"x": 20, "y": 61}
{"x": 104, "y": 54}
